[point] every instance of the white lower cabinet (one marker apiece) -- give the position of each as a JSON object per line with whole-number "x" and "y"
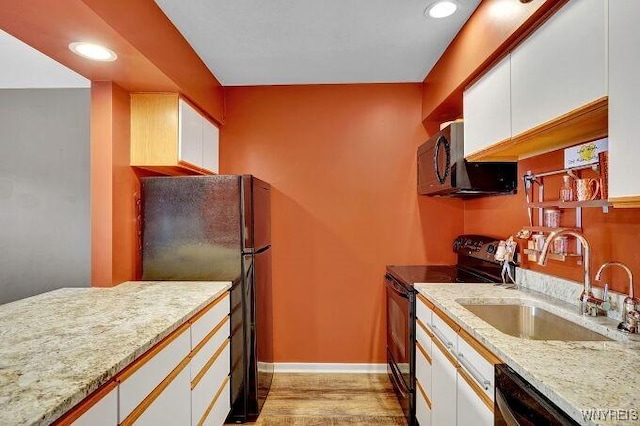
{"x": 182, "y": 380}
{"x": 102, "y": 413}
{"x": 139, "y": 387}
{"x": 443, "y": 385}
{"x": 172, "y": 406}
{"x": 423, "y": 406}
{"x": 454, "y": 380}
{"x": 470, "y": 408}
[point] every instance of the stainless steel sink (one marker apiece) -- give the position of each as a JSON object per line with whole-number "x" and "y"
{"x": 531, "y": 322}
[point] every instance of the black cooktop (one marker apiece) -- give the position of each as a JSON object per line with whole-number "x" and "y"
{"x": 411, "y": 274}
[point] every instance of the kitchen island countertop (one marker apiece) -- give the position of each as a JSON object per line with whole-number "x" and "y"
{"x": 576, "y": 375}
{"x": 56, "y": 348}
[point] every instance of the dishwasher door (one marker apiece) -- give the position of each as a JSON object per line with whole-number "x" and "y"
{"x": 518, "y": 403}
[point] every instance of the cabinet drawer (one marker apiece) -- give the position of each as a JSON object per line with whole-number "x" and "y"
{"x": 201, "y": 327}
{"x": 206, "y": 386}
{"x": 444, "y": 333}
{"x": 423, "y": 312}
{"x": 478, "y": 367}
{"x": 220, "y": 408}
{"x": 423, "y": 408}
{"x": 102, "y": 413}
{"x": 141, "y": 377}
{"x": 423, "y": 370}
{"x": 203, "y": 354}
{"x": 423, "y": 338}
{"x": 172, "y": 406}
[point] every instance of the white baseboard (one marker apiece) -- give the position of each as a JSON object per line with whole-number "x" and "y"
{"x": 314, "y": 367}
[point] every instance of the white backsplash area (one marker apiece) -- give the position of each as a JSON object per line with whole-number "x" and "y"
{"x": 565, "y": 290}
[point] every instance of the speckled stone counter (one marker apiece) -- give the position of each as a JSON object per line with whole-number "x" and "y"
{"x": 58, "y": 347}
{"x": 574, "y": 375}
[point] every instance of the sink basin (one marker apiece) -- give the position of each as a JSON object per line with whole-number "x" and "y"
{"x": 532, "y": 322}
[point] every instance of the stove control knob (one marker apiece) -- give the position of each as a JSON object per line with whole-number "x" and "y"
{"x": 491, "y": 249}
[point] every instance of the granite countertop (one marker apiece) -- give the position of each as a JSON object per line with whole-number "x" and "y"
{"x": 574, "y": 375}
{"x": 58, "y": 347}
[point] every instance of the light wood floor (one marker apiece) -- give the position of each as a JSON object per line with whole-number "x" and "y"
{"x": 331, "y": 399}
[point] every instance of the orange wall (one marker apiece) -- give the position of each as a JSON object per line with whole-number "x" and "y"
{"x": 341, "y": 162}
{"x": 613, "y": 236}
{"x": 114, "y": 187}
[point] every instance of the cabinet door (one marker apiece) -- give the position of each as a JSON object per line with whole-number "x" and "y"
{"x": 487, "y": 109}
{"x": 443, "y": 385}
{"x": 190, "y": 135}
{"x": 561, "y": 67}
{"x": 471, "y": 409}
{"x": 423, "y": 407}
{"x": 172, "y": 406}
{"x": 153, "y": 370}
{"x": 102, "y": 413}
{"x": 624, "y": 92}
{"x": 210, "y": 144}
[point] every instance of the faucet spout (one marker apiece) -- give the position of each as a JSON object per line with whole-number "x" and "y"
{"x": 589, "y": 304}
{"x": 621, "y": 265}
{"x": 586, "y": 262}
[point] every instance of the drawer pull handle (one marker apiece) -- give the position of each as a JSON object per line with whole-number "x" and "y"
{"x": 484, "y": 383}
{"x": 441, "y": 337}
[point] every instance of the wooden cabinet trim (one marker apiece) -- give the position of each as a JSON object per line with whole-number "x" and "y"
{"x": 424, "y": 352}
{"x": 425, "y": 301}
{"x": 86, "y": 404}
{"x": 444, "y": 317}
{"x": 209, "y": 336}
{"x": 138, "y": 363}
{"x": 476, "y": 388}
{"x": 625, "y": 202}
{"x": 207, "y": 308}
{"x": 209, "y": 363}
{"x": 586, "y": 123}
{"x": 446, "y": 352}
{"x": 424, "y": 394}
{"x": 424, "y": 328}
{"x": 213, "y": 401}
{"x": 479, "y": 347}
{"x": 148, "y": 400}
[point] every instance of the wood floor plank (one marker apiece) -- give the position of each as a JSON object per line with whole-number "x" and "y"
{"x": 331, "y": 399}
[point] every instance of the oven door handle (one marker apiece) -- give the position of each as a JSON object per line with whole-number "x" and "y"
{"x": 503, "y": 406}
{"x": 397, "y": 288}
{"x": 399, "y": 382}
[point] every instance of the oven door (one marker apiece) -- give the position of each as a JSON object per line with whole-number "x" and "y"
{"x": 400, "y": 342}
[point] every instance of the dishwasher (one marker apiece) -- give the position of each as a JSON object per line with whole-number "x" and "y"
{"x": 518, "y": 403}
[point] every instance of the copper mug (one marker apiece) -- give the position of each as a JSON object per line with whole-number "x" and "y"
{"x": 587, "y": 189}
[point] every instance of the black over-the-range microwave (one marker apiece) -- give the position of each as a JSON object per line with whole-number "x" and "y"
{"x": 443, "y": 171}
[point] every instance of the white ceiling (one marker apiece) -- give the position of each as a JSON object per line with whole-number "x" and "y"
{"x": 270, "y": 42}
{"x": 23, "y": 67}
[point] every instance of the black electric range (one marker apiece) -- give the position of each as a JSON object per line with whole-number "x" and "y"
{"x": 476, "y": 264}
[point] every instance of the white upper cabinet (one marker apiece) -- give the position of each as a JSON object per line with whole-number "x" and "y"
{"x": 210, "y": 142}
{"x": 624, "y": 92}
{"x": 170, "y": 136}
{"x": 487, "y": 109}
{"x": 190, "y": 124}
{"x": 560, "y": 67}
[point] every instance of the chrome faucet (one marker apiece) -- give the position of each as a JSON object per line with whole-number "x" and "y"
{"x": 589, "y": 304}
{"x": 630, "y": 316}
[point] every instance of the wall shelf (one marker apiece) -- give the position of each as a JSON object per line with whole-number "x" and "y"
{"x": 570, "y": 204}
{"x": 562, "y": 257}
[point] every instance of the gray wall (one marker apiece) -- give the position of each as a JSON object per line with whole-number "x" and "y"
{"x": 44, "y": 191}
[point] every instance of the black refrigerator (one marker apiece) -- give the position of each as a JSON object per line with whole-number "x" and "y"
{"x": 217, "y": 228}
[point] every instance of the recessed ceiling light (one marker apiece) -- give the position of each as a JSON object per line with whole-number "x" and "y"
{"x": 441, "y": 9}
{"x": 93, "y": 51}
